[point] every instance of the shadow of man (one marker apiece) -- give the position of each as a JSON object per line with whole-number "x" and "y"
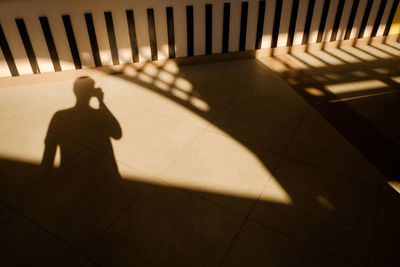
{"x": 83, "y": 125}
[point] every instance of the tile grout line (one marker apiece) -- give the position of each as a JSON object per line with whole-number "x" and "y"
{"x": 50, "y": 233}
{"x": 378, "y": 200}
{"x": 265, "y": 185}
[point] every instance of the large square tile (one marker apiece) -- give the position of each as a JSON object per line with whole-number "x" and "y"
{"x": 150, "y": 142}
{"x": 271, "y": 88}
{"x": 258, "y": 123}
{"x": 25, "y": 244}
{"x": 231, "y": 76}
{"x": 319, "y": 143}
{"x": 167, "y": 226}
{"x": 329, "y": 211}
{"x": 79, "y": 200}
{"x": 257, "y": 245}
{"x": 222, "y": 170}
{"x": 386, "y": 240}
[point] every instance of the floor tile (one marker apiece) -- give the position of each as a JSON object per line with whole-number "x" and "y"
{"x": 271, "y": 88}
{"x": 257, "y": 245}
{"x": 329, "y": 211}
{"x": 231, "y": 76}
{"x": 26, "y": 244}
{"x": 150, "y": 142}
{"x": 386, "y": 240}
{"x": 216, "y": 166}
{"x": 258, "y": 124}
{"x": 21, "y": 161}
{"x": 80, "y": 199}
{"x": 167, "y": 226}
{"x": 319, "y": 143}
{"x": 199, "y": 107}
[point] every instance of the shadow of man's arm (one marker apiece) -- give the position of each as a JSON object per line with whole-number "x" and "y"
{"x": 113, "y": 126}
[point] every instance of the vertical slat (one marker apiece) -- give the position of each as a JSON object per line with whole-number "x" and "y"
{"x": 365, "y": 18}
{"x": 293, "y": 20}
{"x": 5, "y": 48}
{"x": 260, "y": 23}
{"x": 307, "y": 27}
{"x": 315, "y": 22}
{"x": 391, "y": 17}
{"x": 28, "y": 45}
{"x": 4, "y": 70}
{"x": 142, "y": 34}
{"x": 234, "y": 26}
{"x": 378, "y": 18}
{"x": 111, "y": 37}
{"x": 72, "y": 41}
{"x": 277, "y": 21}
{"x": 190, "y": 31}
{"x": 330, "y": 20}
{"x": 358, "y": 19}
{"x": 284, "y": 23}
{"x": 217, "y": 26}
{"x": 122, "y": 35}
{"x": 132, "y": 35}
{"x": 350, "y": 23}
{"x": 199, "y": 28}
{"x": 225, "y": 30}
{"x": 82, "y": 40}
{"x": 61, "y": 42}
{"x": 243, "y": 26}
{"x": 171, "y": 35}
{"x": 38, "y": 42}
{"x": 301, "y": 22}
{"x": 152, "y": 34}
{"x": 208, "y": 29}
{"x": 251, "y": 25}
{"x": 385, "y": 18}
{"x": 160, "y": 17}
{"x": 372, "y": 18}
{"x": 102, "y": 40}
{"x": 324, "y": 15}
{"x": 93, "y": 39}
{"x": 50, "y": 43}
{"x": 338, "y": 17}
{"x": 180, "y": 30}
{"x": 345, "y": 19}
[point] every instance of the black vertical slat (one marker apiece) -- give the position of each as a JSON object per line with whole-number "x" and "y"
{"x": 322, "y": 23}
{"x": 364, "y": 22}
{"x": 292, "y": 25}
{"x": 111, "y": 37}
{"x": 225, "y": 28}
{"x": 378, "y": 18}
{"x": 338, "y": 17}
{"x": 152, "y": 33}
{"x": 28, "y": 45}
{"x": 208, "y": 29}
{"x": 277, "y": 22}
{"x": 50, "y": 43}
{"x": 132, "y": 35}
{"x": 350, "y": 24}
{"x": 307, "y": 26}
{"x": 260, "y": 23}
{"x": 71, "y": 41}
{"x": 171, "y": 33}
{"x": 243, "y": 26}
{"x": 7, "y": 53}
{"x": 189, "y": 28}
{"x": 93, "y": 39}
{"x": 391, "y": 17}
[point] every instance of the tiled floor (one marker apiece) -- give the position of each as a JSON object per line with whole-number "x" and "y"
{"x": 259, "y": 162}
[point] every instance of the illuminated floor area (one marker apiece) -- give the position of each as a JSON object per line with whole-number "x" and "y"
{"x": 227, "y": 163}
